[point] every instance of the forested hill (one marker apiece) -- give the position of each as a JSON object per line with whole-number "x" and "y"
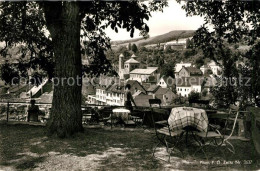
{"x": 170, "y": 36}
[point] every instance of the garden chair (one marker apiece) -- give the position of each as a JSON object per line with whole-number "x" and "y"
{"x": 163, "y": 132}
{"x": 215, "y": 136}
{"x": 138, "y": 116}
{"x": 90, "y": 116}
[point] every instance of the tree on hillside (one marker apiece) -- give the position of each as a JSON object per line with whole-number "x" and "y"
{"x": 168, "y": 49}
{"x": 168, "y": 70}
{"x": 134, "y": 48}
{"x": 189, "y": 43}
{"x": 129, "y": 46}
{"x": 233, "y": 22}
{"x": 54, "y": 35}
{"x": 199, "y": 62}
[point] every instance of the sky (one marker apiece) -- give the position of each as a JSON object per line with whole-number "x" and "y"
{"x": 172, "y": 18}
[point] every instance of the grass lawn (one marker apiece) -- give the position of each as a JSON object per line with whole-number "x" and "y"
{"x": 24, "y": 147}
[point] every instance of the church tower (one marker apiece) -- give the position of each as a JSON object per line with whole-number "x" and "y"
{"x": 121, "y": 66}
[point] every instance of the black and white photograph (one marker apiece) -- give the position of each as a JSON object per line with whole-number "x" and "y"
{"x": 129, "y": 85}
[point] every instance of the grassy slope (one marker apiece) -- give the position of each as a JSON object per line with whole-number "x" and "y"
{"x": 27, "y": 147}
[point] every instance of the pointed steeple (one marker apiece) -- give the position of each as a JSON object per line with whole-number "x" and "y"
{"x": 121, "y": 56}
{"x": 133, "y": 56}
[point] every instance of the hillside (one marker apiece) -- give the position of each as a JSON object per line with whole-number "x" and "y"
{"x": 170, "y": 36}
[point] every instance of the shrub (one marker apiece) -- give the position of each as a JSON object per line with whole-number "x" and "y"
{"x": 194, "y": 96}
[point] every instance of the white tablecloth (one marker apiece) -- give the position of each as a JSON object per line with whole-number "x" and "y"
{"x": 121, "y": 113}
{"x": 181, "y": 117}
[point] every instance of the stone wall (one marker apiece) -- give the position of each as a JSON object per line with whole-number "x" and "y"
{"x": 255, "y": 127}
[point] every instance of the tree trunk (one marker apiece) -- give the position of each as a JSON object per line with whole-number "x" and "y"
{"x": 66, "y": 116}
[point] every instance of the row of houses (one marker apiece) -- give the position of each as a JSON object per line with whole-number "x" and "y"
{"x": 113, "y": 93}
{"x": 190, "y": 78}
{"x": 146, "y": 83}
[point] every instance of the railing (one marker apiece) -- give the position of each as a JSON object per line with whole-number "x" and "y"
{"x": 18, "y": 111}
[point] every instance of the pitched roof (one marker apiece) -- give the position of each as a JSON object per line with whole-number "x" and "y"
{"x": 153, "y": 88}
{"x": 147, "y": 71}
{"x": 142, "y": 100}
{"x": 193, "y": 70}
{"x": 104, "y": 82}
{"x": 131, "y": 82}
{"x": 46, "y": 97}
{"x": 161, "y": 90}
{"x": 133, "y": 56}
{"x": 2, "y": 83}
{"x": 121, "y": 55}
{"x": 146, "y": 85}
{"x": 178, "y": 66}
{"x": 132, "y": 61}
{"x": 167, "y": 80}
{"x": 116, "y": 88}
{"x": 137, "y": 93}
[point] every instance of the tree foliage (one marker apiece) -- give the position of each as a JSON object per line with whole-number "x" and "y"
{"x": 168, "y": 70}
{"x": 54, "y": 35}
{"x": 134, "y": 48}
{"x": 27, "y": 23}
{"x": 232, "y": 21}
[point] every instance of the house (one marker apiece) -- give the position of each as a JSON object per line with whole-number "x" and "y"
{"x": 189, "y": 72}
{"x": 138, "y": 93}
{"x": 216, "y": 68}
{"x": 166, "y": 82}
{"x": 111, "y": 92}
{"x": 104, "y": 83}
{"x": 143, "y": 75}
{"x": 143, "y": 100}
{"x": 179, "y": 66}
{"x": 205, "y": 68}
{"x": 165, "y": 94}
{"x": 115, "y": 94}
{"x": 185, "y": 85}
{"x": 152, "y": 89}
{"x": 136, "y": 86}
{"x": 176, "y": 45}
{"x": 91, "y": 99}
{"x": 46, "y": 97}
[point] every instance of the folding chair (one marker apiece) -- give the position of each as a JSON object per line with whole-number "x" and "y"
{"x": 138, "y": 117}
{"x": 163, "y": 132}
{"x": 216, "y": 136}
{"x": 90, "y": 116}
